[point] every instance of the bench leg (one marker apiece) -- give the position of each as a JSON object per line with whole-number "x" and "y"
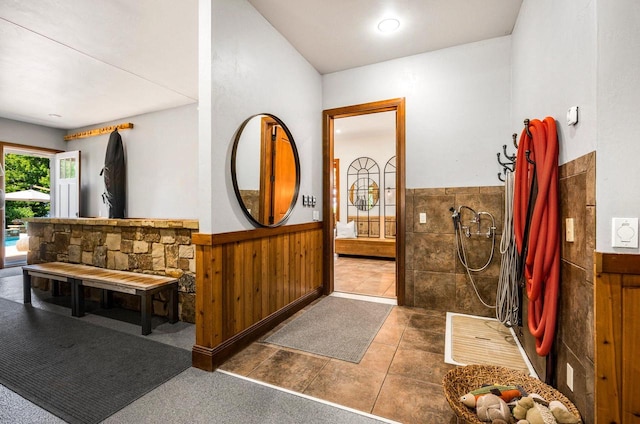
{"x": 55, "y": 288}
{"x": 173, "y": 304}
{"x": 145, "y": 309}
{"x": 106, "y": 299}
{"x": 26, "y": 287}
{"x": 77, "y": 298}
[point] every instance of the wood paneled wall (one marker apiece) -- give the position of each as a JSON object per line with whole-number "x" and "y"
{"x": 249, "y": 281}
{"x": 617, "y": 318}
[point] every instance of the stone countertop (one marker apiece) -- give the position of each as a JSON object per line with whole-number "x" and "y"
{"x": 191, "y": 224}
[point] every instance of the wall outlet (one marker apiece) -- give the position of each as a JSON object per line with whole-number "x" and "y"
{"x": 423, "y": 218}
{"x": 569, "y": 377}
{"x": 569, "y": 234}
{"x": 624, "y": 232}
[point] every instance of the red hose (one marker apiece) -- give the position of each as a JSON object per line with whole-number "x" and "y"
{"x": 542, "y": 263}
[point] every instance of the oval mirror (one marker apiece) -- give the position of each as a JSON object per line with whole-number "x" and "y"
{"x": 265, "y": 170}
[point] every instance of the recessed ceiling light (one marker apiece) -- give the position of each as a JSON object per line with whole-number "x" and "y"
{"x": 338, "y": 131}
{"x": 55, "y": 115}
{"x": 388, "y": 25}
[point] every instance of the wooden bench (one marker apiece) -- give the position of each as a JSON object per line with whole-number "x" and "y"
{"x": 363, "y": 246}
{"x": 78, "y": 276}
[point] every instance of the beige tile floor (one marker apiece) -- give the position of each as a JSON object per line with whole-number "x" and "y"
{"x": 367, "y": 276}
{"x": 400, "y": 375}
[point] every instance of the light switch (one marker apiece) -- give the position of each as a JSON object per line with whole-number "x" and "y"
{"x": 624, "y": 232}
{"x": 569, "y": 235}
{"x": 316, "y": 215}
{"x": 423, "y": 218}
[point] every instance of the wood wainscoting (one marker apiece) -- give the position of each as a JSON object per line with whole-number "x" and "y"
{"x": 617, "y": 326}
{"x": 247, "y": 282}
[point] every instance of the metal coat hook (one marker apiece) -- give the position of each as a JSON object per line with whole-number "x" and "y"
{"x": 504, "y": 149}
{"x": 515, "y": 139}
{"x": 527, "y": 153}
{"x": 500, "y": 177}
{"x": 526, "y": 127}
{"x": 506, "y": 165}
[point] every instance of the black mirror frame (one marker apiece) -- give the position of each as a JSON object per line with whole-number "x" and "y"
{"x": 234, "y": 179}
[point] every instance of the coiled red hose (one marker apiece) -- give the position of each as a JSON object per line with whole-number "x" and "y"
{"x": 542, "y": 262}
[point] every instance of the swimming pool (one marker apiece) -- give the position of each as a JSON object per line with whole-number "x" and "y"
{"x": 10, "y": 241}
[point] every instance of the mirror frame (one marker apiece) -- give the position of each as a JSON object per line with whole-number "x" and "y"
{"x": 234, "y": 179}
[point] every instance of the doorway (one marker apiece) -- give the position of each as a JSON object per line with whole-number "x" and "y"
{"x": 366, "y": 193}
{"x": 26, "y": 181}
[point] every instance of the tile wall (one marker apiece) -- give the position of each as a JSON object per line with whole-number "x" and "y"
{"x": 575, "y": 329}
{"x": 435, "y": 278}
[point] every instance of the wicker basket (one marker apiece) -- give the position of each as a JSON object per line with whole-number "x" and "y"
{"x": 462, "y": 380}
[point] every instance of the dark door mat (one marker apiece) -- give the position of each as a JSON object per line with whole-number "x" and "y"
{"x": 80, "y": 372}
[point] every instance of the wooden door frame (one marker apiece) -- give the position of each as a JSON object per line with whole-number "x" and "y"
{"x": 328, "y": 117}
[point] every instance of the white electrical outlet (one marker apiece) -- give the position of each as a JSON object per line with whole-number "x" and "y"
{"x": 423, "y": 218}
{"x": 569, "y": 377}
{"x": 624, "y": 232}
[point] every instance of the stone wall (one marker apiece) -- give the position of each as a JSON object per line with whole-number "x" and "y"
{"x": 160, "y": 247}
{"x": 435, "y": 278}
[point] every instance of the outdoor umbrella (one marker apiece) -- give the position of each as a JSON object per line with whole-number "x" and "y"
{"x": 29, "y": 195}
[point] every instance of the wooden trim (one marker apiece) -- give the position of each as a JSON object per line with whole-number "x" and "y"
{"x": 617, "y": 336}
{"x": 26, "y": 148}
{"x": 328, "y": 117}
{"x": 98, "y": 131}
{"x": 400, "y": 200}
{"x": 253, "y": 234}
{"x": 209, "y": 359}
{"x": 616, "y": 263}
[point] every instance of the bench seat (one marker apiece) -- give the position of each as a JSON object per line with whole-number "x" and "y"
{"x": 77, "y": 275}
{"x": 363, "y": 246}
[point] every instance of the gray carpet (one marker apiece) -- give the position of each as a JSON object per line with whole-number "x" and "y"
{"x": 334, "y": 327}
{"x": 80, "y": 372}
{"x": 200, "y": 397}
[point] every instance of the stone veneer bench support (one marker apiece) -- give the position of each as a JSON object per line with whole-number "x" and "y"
{"x": 143, "y": 285}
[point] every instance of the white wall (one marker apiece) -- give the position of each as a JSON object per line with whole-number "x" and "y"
{"x": 617, "y": 170}
{"x": 31, "y": 135}
{"x": 161, "y": 161}
{"x": 457, "y": 109}
{"x": 379, "y": 148}
{"x": 253, "y": 70}
{"x": 554, "y": 68}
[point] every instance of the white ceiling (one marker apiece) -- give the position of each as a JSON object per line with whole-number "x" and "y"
{"x": 92, "y": 61}
{"x": 335, "y": 35}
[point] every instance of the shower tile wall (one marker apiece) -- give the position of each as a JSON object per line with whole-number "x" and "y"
{"x": 574, "y": 340}
{"x": 435, "y": 278}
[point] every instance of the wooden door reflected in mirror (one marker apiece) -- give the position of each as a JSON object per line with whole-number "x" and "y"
{"x": 265, "y": 170}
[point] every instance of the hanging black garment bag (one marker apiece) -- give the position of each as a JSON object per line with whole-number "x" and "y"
{"x": 114, "y": 173}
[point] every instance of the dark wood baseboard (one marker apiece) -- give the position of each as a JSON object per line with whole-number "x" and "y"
{"x": 209, "y": 359}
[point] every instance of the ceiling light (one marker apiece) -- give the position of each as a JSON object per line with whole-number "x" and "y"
{"x": 388, "y": 25}
{"x": 338, "y": 131}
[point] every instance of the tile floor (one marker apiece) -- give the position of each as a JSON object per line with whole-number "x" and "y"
{"x": 367, "y": 276}
{"x": 400, "y": 375}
